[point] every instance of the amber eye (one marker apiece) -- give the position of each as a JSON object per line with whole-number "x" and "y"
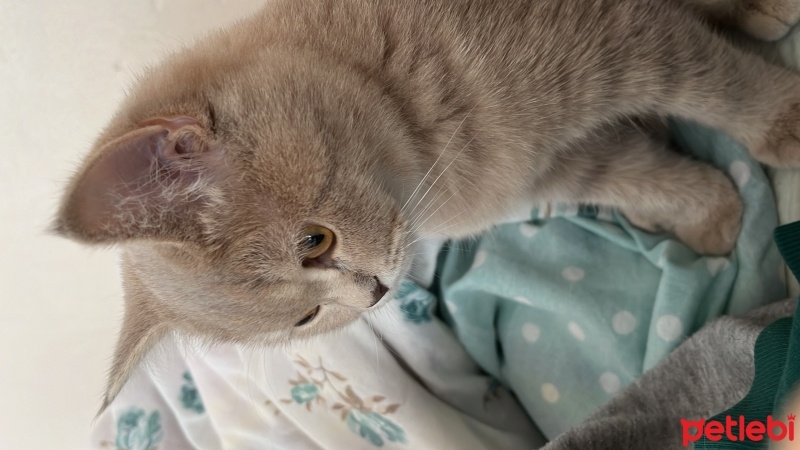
{"x": 308, "y": 318}
{"x": 316, "y": 241}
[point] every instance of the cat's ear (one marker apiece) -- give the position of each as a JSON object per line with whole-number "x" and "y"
{"x": 147, "y": 183}
{"x": 142, "y": 329}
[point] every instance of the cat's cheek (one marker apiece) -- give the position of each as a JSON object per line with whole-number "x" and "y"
{"x": 331, "y": 319}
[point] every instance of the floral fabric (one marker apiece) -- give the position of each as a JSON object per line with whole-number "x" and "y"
{"x": 400, "y": 381}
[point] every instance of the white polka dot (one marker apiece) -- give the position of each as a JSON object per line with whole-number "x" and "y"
{"x": 531, "y": 332}
{"x": 669, "y": 328}
{"x": 740, "y": 173}
{"x": 523, "y": 300}
{"x": 573, "y": 274}
{"x": 550, "y": 393}
{"x": 716, "y": 265}
{"x": 610, "y": 383}
{"x": 623, "y": 322}
{"x": 451, "y": 307}
{"x": 576, "y": 331}
{"x": 480, "y": 258}
{"x": 528, "y": 230}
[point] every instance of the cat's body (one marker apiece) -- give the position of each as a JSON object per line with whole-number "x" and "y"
{"x": 388, "y": 121}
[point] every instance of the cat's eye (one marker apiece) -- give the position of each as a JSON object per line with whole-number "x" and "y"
{"x": 316, "y": 242}
{"x": 308, "y": 317}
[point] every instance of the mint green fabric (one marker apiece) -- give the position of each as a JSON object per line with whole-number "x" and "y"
{"x": 568, "y": 310}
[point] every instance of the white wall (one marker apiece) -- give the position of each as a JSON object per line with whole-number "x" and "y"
{"x": 64, "y": 65}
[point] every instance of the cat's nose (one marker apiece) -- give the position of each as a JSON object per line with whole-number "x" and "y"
{"x": 378, "y": 292}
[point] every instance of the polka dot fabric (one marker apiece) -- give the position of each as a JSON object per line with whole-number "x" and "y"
{"x": 568, "y": 309}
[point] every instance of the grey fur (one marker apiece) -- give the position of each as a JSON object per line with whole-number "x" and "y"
{"x": 390, "y": 121}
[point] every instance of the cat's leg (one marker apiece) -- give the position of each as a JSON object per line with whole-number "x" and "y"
{"x": 767, "y": 20}
{"x": 729, "y": 89}
{"x": 656, "y": 188}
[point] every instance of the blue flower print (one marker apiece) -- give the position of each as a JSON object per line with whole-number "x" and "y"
{"x": 305, "y": 393}
{"x": 415, "y": 303}
{"x": 374, "y": 427}
{"x": 138, "y": 431}
{"x": 190, "y": 395}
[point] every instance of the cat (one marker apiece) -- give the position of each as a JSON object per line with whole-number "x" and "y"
{"x": 267, "y": 183}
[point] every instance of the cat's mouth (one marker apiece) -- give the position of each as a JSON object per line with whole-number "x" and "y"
{"x": 378, "y": 292}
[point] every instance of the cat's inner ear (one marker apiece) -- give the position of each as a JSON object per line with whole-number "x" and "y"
{"x": 146, "y": 183}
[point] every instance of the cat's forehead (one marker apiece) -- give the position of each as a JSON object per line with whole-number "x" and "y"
{"x": 295, "y": 151}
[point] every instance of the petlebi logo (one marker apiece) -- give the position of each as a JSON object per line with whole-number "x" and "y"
{"x": 738, "y": 429}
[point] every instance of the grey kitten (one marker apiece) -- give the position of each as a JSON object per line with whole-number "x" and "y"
{"x": 267, "y": 183}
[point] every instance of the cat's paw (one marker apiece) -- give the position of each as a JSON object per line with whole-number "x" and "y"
{"x": 709, "y": 222}
{"x": 781, "y": 146}
{"x": 717, "y": 232}
{"x": 769, "y": 20}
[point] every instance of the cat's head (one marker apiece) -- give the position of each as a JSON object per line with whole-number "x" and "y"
{"x": 253, "y": 199}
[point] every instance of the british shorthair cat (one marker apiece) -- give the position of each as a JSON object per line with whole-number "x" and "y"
{"x": 267, "y": 183}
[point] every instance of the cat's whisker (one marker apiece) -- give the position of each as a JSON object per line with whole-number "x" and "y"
{"x": 274, "y": 398}
{"x": 431, "y": 215}
{"x": 448, "y": 166}
{"x": 397, "y": 321}
{"x": 375, "y": 343}
{"x": 267, "y": 381}
{"x": 415, "y": 264}
{"x": 380, "y": 335}
{"x": 249, "y": 380}
{"x": 438, "y": 229}
{"x": 425, "y": 177}
{"x": 450, "y": 163}
{"x": 415, "y": 230}
{"x": 413, "y": 225}
{"x": 411, "y": 231}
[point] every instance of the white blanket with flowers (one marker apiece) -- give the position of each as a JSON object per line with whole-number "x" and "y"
{"x": 391, "y": 383}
